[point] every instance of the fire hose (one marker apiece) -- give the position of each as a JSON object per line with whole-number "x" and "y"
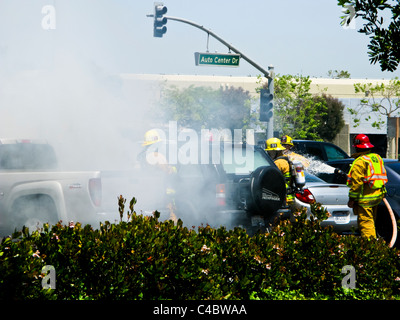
{"x": 394, "y": 224}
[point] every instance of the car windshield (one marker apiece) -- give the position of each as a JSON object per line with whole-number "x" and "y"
{"x": 333, "y": 153}
{"x": 242, "y": 160}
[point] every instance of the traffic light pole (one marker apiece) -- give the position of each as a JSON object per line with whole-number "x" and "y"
{"x": 270, "y": 127}
{"x": 266, "y": 73}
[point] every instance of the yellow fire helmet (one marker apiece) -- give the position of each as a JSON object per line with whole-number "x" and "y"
{"x": 287, "y": 140}
{"x": 150, "y": 137}
{"x": 274, "y": 144}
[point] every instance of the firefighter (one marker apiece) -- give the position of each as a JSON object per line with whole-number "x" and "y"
{"x": 152, "y": 157}
{"x": 275, "y": 151}
{"x": 366, "y": 179}
{"x": 287, "y": 143}
{"x": 152, "y": 154}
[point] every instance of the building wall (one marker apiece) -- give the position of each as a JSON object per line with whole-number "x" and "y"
{"x": 338, "y": 88}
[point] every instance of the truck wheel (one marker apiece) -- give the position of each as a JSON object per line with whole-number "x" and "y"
{"x": 267, "y": 190}
{"x": 33, "y": 211}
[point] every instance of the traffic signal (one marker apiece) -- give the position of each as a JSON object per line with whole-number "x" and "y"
{"x": 266, "y": 105}
{"x": 159, "y": 20}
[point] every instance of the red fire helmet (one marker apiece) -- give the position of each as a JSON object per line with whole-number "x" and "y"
{"x": 361, "y": 141}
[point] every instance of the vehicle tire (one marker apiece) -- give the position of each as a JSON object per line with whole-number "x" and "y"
{"x": 33, "y": 211}
{"x": 267, "y": 190}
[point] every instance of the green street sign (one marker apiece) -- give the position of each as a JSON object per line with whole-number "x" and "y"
{"x": 216, "y": 59}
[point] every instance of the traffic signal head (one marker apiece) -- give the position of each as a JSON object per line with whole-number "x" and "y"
{"x": 159, "y": 20}
{"x": 266, "y": 105}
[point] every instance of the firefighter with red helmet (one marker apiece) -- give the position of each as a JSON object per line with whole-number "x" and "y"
{"x": 367, "y": 178}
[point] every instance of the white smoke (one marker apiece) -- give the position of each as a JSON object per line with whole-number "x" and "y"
{"x": 53, "y": 87}
{"x": 76, "y": 112}
{"x": 317, "y": 166}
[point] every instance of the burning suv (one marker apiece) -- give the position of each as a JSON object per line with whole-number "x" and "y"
{"x": 239, "y": 185}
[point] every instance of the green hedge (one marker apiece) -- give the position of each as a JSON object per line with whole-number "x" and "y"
{"x": 144, "y": 258}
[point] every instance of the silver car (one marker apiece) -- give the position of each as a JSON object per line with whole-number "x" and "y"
{"x": 333, "y": 197}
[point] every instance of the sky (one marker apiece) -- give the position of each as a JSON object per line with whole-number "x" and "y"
{"x": 115, "y": 36}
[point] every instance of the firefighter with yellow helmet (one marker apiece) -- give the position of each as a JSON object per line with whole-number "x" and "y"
{"x": 153, "y": 157}
{"x": 275, "y": 151}
{"x": 287, "y": 143}
{"x": 152, "y": 154}
{"x": 367, "y": 178}
{"x": 150, "y": 137}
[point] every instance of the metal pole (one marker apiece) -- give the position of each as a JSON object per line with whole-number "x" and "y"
{"x": 397, "y": 139}
{"x": 270, "y": 128}
{"x": 265, "y": 72}
{"x": 268, "y": 74}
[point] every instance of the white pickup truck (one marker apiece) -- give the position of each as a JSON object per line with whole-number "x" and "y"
{"x": 33, "y": 191}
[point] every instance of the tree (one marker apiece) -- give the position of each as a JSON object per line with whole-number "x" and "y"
{"x": 235, "y": 109}
{"x": 384, "y": 46}
{"x": 331, "y": 116}
{"x": 380, "y": 98}
{"x": 190, "y": 107}
{"x": 302, "y": 115}
{"x": 290, "y": 108}
{"x": 384, "y": 100}
{"x": 338, "y": 74}
{"x": 204, "y": 107}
